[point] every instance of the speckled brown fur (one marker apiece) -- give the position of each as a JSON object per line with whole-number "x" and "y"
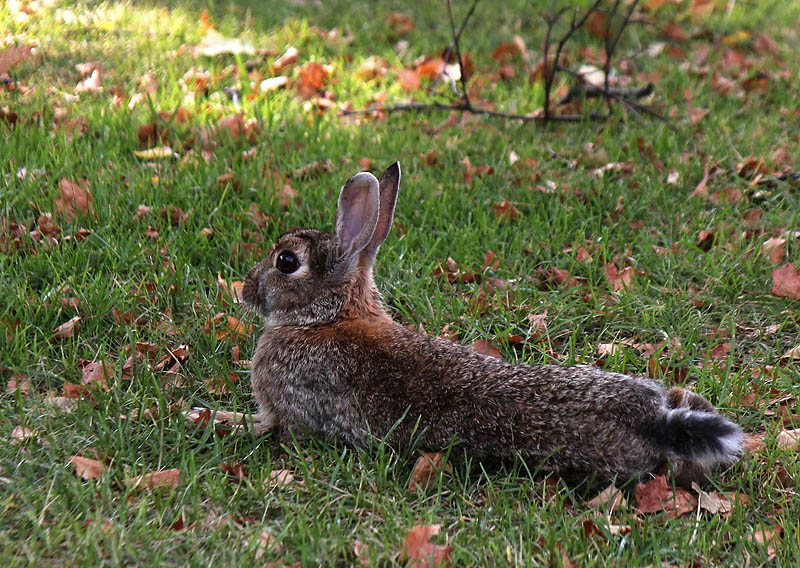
{"x": 333, "y": 362}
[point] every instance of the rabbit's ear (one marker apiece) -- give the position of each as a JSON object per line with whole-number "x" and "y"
{"x": 389, "y": 186}
{"x": 357, "y": 214}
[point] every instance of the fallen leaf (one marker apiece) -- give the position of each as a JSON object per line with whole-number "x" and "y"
{"x": 674, "y": 177}
{"x": 74, "y": 199}
{"x": 279, "y": 478}
{"x": 786, "y": 281}
{"x": 420, "y": 552}
{"x": 313, "y": 77}
{"x": 400, "y": 24}
{"x": 68, "y": 328}
{"x": 88, "y": 468}
{"x": 20, "y": 434}
{"x": 235, "y": 471}
{"x": 768, "y": 538}
{"x": 773, "y": 250}
{"x": 97, "y": 373}
{"x": 409, "y": 79}
{"x": 487, "y": 349}
{"x": 157, "y": 153}
{"x": 609, "y": 498}
{"x": 788, "y": 439}
{"x": 360, "y": 550}
{"x": 266, "y": 541}
{"x": 619, "y": 279}
{"x": 214, "y": 43}
{"x": 712, "y": 502}
{"x": 426, "y": 471}
{"x": 225, "y": 325}
{"x": 90, "y": 84}
{"x": 505, "y": 211}
{"x": 273, "y": 84}
{"x": 289, "y": 57}
{"x": 13, "y": 56}
{"x": 656, "y": 495}
{"x": 21, "y": 383}
{"x": 167, "y": 479}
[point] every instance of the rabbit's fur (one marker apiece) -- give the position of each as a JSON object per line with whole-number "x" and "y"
{"x": 331, "y": 361}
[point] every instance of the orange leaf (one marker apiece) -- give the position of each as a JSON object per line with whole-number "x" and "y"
{"x": 422, "y": 553}
{"x": 656, "y": 495}
{"x": 505, "y": 211}
{"x": 97, "y": 373}
{"x": 487, "y": 348}
{"x": 88, "y": 468}
{"x": 619, "y": 279}
{"x": 313, "y": 77}
{"x": 167, "y": 479}
{"x": 409, "y": 79}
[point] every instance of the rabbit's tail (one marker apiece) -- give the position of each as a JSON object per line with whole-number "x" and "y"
{"x": 703, "y": 438}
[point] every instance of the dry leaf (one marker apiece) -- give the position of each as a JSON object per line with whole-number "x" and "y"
{"x": 420, "y": 552}
{"x": 279, "y": 478}
{"x": 74, "y": 199}
{"x": 487, "y": 349}
{"x": 786, "y": 282}
{"x": 789, "y": 439}
{"x": 88, "y": 468}
{"x": 610, "y": 498}
{"x": 20, "y": 382}
{"x": 235, "y": 471}
{"x": 426, "y": 471}
{"x": 97, "y": 373}
{"x": 288, "y": 58}
{"x": 68, "y": 328}
{"x": 273, "y": 84}
{"x": 773, "y": 250}
{"x": 13, "y": 56}
{"x": 20, "y": 434}
{"x": 712, "y": 502}
{"x": 90, "y": 84}
{"x": 313, "y": 77}
{"x": 167, "y": 479}
{"x": 619, "y": 279}
{"x": 656, "y": 495}
{"x": 505, "y": 211}
{"x": 157, "y": 153}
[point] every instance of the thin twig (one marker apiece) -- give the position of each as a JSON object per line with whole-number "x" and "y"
{"x": 457, "y": 44}
{"x": 421, "y": 107}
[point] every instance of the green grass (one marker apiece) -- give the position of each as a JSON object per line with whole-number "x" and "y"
{"x": 703, "y": 298}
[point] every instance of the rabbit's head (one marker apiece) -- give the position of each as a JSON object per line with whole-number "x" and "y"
{"x": 312, "y": 276}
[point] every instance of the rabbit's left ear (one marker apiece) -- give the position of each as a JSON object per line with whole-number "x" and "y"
{"x": 356, "y": 214}
{"x": 389, "y": 187}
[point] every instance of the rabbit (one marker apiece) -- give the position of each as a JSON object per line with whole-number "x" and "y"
{"x": 332, "y": 362}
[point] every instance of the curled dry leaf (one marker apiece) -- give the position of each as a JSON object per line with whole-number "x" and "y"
{"x": 234, "y": 471}
{"x": 88, "y": 468}
{"x": 656, "y": 495}
{"x": 712, "y": 502}
{"x": 157, "y": 153}
{"x": 420, "y": 552}
{"x": 426, "y": 471}
{"x": 13, "y": 56}
{"x": 68, "y": 328}
{"x": 786, "y": 281}
{"x": 273, "y": 84}
{"x": 505, "y": 211}
{"x": 225, "y": 325}
{"x": 289, "y": 57}
{"x": 21, "y": 383}
{"x": 789, "y": 439}
{"x": 487, "y": 349}
{"x": 313, "y": 77}
{"x": 74, "y": 199}
{"x": 167, "y": 479}
{"x": 90, "y": 84}
{"x": 773, "y": 250}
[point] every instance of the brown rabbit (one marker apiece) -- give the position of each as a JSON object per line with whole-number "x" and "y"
{"x": 333, "y": 362}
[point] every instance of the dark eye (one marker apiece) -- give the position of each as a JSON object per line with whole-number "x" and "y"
{"x": 287, "y": 262}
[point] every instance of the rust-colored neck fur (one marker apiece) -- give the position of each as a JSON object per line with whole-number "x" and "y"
{"x": 365, "y": 300}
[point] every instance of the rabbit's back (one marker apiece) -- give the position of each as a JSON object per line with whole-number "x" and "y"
{"x": 354, "y": 378}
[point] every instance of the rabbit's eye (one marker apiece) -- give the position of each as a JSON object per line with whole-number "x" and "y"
{"x": 287, "y": 262}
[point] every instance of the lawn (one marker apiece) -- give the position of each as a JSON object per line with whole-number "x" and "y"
{"x": 143, "y": 175}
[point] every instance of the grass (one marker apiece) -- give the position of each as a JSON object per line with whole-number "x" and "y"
{"x": 703, "y": 298}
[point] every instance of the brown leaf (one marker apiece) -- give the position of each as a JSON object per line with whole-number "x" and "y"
{"x": 619, "y": 279}
{"x": 225, "y": 325}
{"x": 74, "y": 199}
{"x": 655, "y": 495}
{"x": 786, "y": 281}
{"x": 701, "y": 190}
{"x": 420, "y": 552}
{"x": 426, "y": 471}
{"x": 400, "y": 24}
{"x": 505, "y": 51}
{"x": 505, "y": 211}
{"x": 768, "y": 538}
{"x": 68, "y": 328}
{"x": 97, "y": 373}
{"x": 235, "y": 471}
{"x": 167, "y": 479}
{"x": 773, "y": 250}
{"x": 13, "y": 56}
{"x": 609, "y": 498}
{"x": 713, "y": 502}
{"x": 20, "y": 382}
{"x": 88, "y": 468}
{"x": 487, "y": 349}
